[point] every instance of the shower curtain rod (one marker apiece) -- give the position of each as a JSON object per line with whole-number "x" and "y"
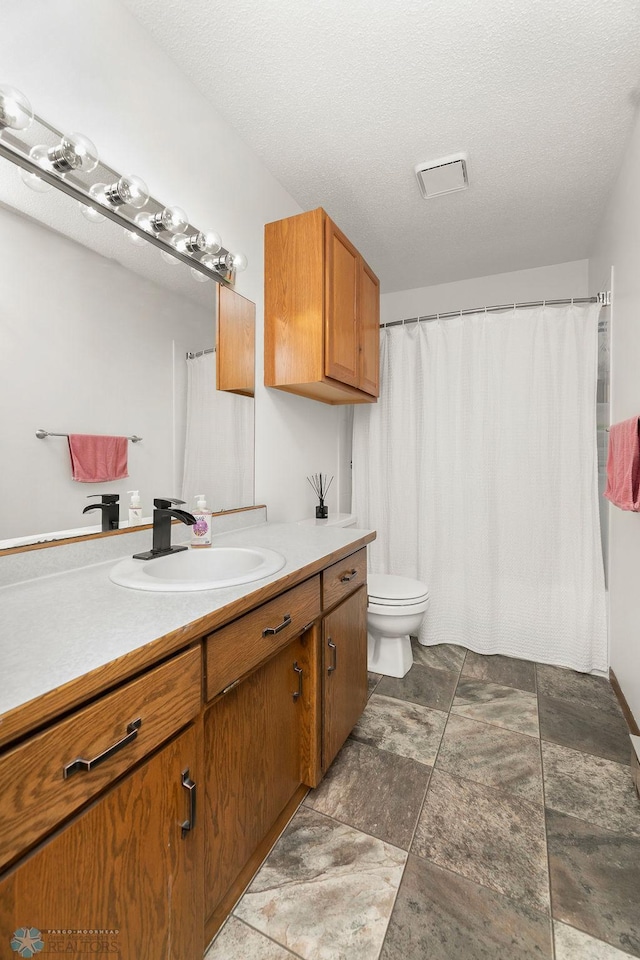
{"x": 200, "y": 353}
{"x": 602, "y": 298}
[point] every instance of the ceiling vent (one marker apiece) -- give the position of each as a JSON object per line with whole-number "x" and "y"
{"x": 443, "y": 176}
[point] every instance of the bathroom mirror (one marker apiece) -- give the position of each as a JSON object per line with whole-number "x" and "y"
{"x": 95, "y": 336}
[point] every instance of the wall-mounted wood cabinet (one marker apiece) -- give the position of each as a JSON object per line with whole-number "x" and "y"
{"x": 322, "y": 312}
{"x": 235, "y": 343}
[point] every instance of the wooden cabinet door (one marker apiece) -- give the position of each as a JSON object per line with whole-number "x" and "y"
{"x": 344, "y": 670}
{"x": 369, "y": 326}
{"x": 252, "y": 741}
{"x": 121, "y": 878}
{"x": 235, "y": 343}
{"x": 342, "y": 349}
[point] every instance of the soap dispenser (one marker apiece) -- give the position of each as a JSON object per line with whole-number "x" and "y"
{"x": 201, "y": 529}
{"x": 135, "y": 510}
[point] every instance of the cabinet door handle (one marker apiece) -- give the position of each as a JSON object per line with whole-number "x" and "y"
{"x": 298, "y": 670}
{"x": 333, "y": 647}
{"x": 189, "y": 785}
{"x": 79, "y": 764}
{"x": 349, "y": 576}
{"x": 270, "y": 631}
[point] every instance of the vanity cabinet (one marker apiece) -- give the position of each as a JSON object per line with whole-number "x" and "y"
{"x": 125, "y": 875}
{"x": 103, "y": 846}
{"x": 322, "y": 312}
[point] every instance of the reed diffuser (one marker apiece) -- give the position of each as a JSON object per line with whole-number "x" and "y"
{"x": 321, "y": 483}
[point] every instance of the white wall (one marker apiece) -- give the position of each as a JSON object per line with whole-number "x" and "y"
{"x": 617, "y": 245}
{"x": 91, "y": 67}
{"x": 540, "y": 283}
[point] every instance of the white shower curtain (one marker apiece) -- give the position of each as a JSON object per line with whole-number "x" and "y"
{"x": 218, "y": 458}
{"x": 478, "y": 468}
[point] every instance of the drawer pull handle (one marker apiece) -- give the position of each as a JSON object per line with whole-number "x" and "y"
{"x": 270, "y": 631}
{"x": 189, "y": 785}
{"x": 333, "y": 647}
{"x": 79, "y": 764}
{"x": 349, "y": 576}
{"x": 298, "y": 670}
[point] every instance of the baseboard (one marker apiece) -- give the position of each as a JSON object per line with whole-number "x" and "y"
{"x": 624, "y": 706}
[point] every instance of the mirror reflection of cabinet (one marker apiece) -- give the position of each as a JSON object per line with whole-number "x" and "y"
{"x": 235, "y": 343}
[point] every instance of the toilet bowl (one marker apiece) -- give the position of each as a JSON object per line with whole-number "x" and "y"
{"x": 396, "y": 609}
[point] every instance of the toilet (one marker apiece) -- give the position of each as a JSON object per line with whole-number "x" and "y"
{"x": 395, "y": 611}
{"x": 397, "y": 606}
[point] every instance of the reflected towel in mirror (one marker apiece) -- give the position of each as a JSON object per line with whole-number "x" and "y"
{"x": 97, "y": 459}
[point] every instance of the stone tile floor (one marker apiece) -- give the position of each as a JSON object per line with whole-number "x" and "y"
{"x": 482, "y": 809}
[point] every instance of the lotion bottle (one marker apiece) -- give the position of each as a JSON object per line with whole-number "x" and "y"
{"x": 135, "y": 510}
{"x": 201, "y": 529}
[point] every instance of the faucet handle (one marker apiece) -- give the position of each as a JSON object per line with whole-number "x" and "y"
{"x": 163, "y": 503}
{"x": 106, "y": 497}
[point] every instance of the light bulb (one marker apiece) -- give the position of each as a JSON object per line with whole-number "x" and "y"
{"x": 90, "y": 213}
{"x": 239, "y": 262}
{"x": 74, "y": 152}
{"x": 134, "y": 237}
{"x": 15, "y": 109}
{"x": 169, "y": 258}
{"x": 205, "y": 241}
{"x": 171, "y": 220}
{"x": 35, "y": 183}
{"x": 231, "y": 262}
{"x": 200, "y": 277}
{"x": 129, "y": 190}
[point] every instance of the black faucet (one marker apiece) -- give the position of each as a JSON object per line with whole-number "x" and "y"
{"x": 162, "y": 528}
{"x": 109, "y": 507}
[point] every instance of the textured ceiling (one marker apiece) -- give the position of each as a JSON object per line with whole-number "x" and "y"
{"x": 342, "y": 99}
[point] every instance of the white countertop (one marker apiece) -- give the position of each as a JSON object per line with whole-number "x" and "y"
{"x": 59, "y": 627}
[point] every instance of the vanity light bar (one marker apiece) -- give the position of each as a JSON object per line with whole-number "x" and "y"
{"x": 32, "y": 158}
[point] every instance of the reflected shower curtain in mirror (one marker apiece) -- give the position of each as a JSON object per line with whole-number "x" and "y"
{"x": 478, "y": 469}
{"x": 218, "y": 458}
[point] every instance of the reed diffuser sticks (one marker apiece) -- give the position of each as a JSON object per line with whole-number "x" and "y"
{"x": 321, "y": 483}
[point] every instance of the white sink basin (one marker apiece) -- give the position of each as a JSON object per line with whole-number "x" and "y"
{"x": 201, "y": 569}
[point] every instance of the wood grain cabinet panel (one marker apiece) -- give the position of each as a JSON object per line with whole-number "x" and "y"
{"x": 253, "y": 750}
{"x": 125, "y": 865}
{"x": 235, "y": 343}
{"x": 344, "y": 659}
{"x": 238, "y": 648}
{"x": 321, "y": 312}
{"x": 342, "y": 578}
{"x": 35, "y": 793}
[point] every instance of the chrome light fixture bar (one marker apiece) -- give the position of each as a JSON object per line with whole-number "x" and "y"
{"x": 106, "y": 192}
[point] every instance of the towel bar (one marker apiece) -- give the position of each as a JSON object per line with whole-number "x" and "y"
{"x": 41, "y": 434}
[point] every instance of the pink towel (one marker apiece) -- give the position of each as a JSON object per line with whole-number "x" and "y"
{"x": 623, "y": 465}
{"x": 96, "y": 459}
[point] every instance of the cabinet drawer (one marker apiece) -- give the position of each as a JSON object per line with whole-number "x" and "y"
{"x": 35, "y": 793}
{"x": 244, "y": 644}
{"x": 342, "y": 578}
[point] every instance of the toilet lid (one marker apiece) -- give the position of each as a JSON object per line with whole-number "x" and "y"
{"x": 387, "y": 587}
